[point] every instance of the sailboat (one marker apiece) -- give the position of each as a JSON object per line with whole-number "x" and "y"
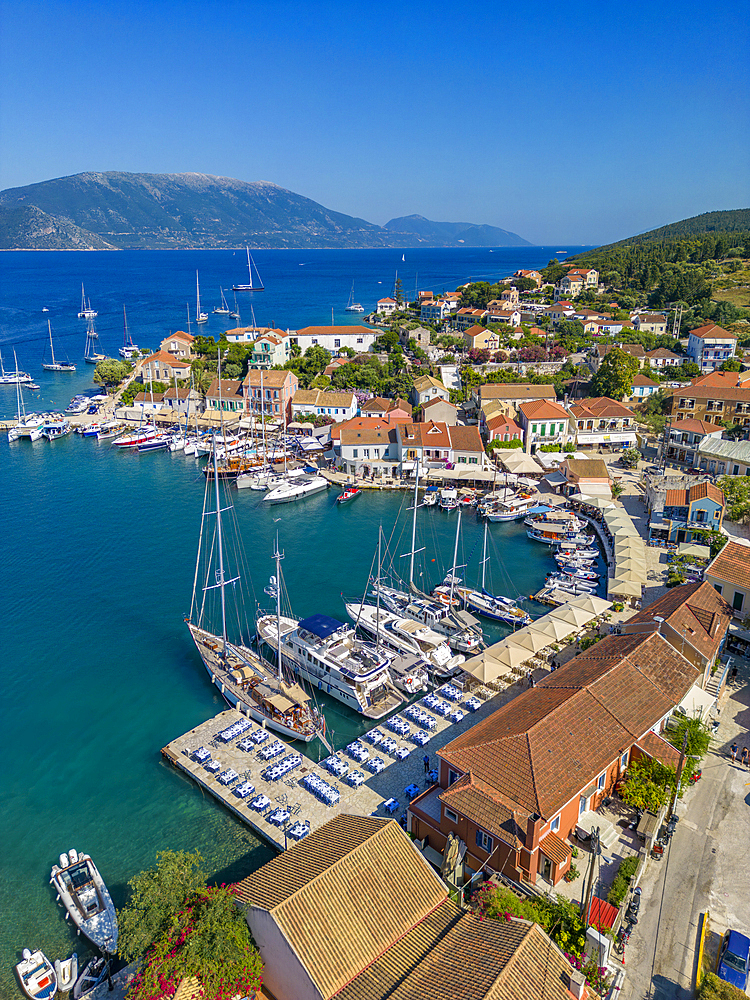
{"x": 354, "y": 307}
{"x": 236, "y": 313}
{"x": 245, "y": 681}
{"x": 15, "y": 377}
{"x": 250, "y": 287}
{"x": 30, "y": 425}
{"x": 86, "y": 311}
{"x": 200, "y": 317}
{"x": 129, "y": 349}
{"x": 56, "y": 366}
{"x": 90, "y": 356}
{"x": 223, "y": 309}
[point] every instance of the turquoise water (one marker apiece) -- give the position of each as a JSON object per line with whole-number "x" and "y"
{"x": 98, "y": 671}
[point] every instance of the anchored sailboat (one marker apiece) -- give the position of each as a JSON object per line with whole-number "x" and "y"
{"x": 90, "y": 356}
{"x": 352, "y": 306}
{"x": 200, "y": 317}
{"x": 250, "y": 286}
{"x": 56, "y": 366}
{"x": 128, "y": 349}
{"x": 86, "y": 311}
{"x": 223, "y": 309}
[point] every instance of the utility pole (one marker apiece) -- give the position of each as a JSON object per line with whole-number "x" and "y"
{"x": 680, "y": 768}
{"x": 594, "y": 853}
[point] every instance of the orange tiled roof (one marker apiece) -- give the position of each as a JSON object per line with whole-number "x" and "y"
{"x": 732, "y": 564}
{"x": 543, "y": 409}
{"x": 694, "y": 610}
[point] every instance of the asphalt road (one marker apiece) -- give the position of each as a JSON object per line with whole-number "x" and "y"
{"x": 707, "y": 867}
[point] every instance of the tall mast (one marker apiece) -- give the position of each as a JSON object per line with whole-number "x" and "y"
{"x": 52, "y": 349}
{"x": 414, "y": 529}
{"x": 484, "y": 552}
{"x": 220, "y": 544}
{"x": 249, "y": 269}
{"x": 377, "y": 590}
{"x": 278, "y": 556}
{"x": 197, "y": 299}
{"x": 187, "y": 304}
{"x": 455, "y": 555}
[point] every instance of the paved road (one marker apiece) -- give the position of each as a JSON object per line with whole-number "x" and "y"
{"x": 707, "y": 867}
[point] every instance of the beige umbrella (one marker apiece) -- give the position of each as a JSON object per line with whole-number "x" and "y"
{"x": 629, "y": 574}
{"x": 623, "y": 588}
{"x": 629, "y": 562}
{"x": 621, "y": 530}
{"x": 572, "y": 616}
{"x": 594, "y": 604}
{"x": 528, "y": 639}
{"x": 599, "y": 502}
{"x": 552, "y": 628}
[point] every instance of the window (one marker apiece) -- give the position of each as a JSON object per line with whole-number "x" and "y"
{"x": 452, "y": 776}
{"x": 450, "y": 815}
{"x": 315, "y": 340}
{"x": 555, "y": 824}
{"x": 739, "y": 598}
{"x": 533, "y": 428}
{"x": 355, "y": 452}
{"x": 337, "y": 343}
{"x": 624, "y": 761}
{"x": 360, "y": 340}
{"x": 600, "y": 781}
{"x": 484, "y": 841}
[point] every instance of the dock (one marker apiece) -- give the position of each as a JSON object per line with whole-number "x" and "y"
{"x": 402, "y": 767}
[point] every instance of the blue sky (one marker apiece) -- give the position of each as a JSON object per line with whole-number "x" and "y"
{"x": 575, "y": 124}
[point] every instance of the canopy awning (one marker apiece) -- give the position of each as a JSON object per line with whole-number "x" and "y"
{"x": 518, "y": 463}
{"x": 596, "y": 604}
{"x": 624, "y": 573}
{"x": 552, "y": 628}
{"x": 601, "y": 503}
{"x": 623, "y": 588}
{"x": 697, "y": 703}
{"x": 555, "y": 479}
{"x": 692, "y": 549}
{"x": 572, "y": 616}
{"x": 597, "y": 489}
{"x": 529, "y": 638}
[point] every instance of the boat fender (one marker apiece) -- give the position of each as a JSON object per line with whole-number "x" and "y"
{"x": 26, "y": 954}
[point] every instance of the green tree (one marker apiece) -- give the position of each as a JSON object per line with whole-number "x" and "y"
{"x": 615, "y": 375}
{"x": 387, "y": 341}
{"x": 647, "y": 783}
{"x": 399, "y": 293}
{"x": 732, "y": 365}
{"x": 698, "y": 742}
{"x": 110, "y": 372}
{"x": 736, "y": 490}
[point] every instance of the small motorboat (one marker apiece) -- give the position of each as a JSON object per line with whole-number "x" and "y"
{"x": 430, "y": 498}
{"x": 36, "y": 975}
{"x": 84, "y": 895}
{"x": 94, "y": 972}
{"x": 349, "y": 494}
{"x": 67, "y": 973}
{"x": 578, "y": 572}
{"x": 570, "y": 584}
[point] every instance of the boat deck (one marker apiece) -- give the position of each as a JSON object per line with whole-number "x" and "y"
{"x": 289, "y": 793}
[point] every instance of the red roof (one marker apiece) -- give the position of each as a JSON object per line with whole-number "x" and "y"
{"x": 543, "y": 409}
{"x": 601, "y": 913}
{"x": 712, "y": 332}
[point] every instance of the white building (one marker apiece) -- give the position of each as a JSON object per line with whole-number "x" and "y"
{"x": 434, "y": 310}
{"x": 334, "y": 338}
{"x": 710, "y": 346}
{"x": 337, "y": 405}
{"x": 387, "y": 306}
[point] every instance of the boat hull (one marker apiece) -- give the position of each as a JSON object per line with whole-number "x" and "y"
{"x": 100, "y": 927}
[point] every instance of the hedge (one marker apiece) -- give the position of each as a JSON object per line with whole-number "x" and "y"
{"x": 621, "y": 884}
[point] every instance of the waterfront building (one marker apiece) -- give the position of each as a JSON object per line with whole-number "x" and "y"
{"x": 387, "y": 306}
{"x": 333, "y": 338}
{"x": 162, "y": 367}
{"x": 178, "y": 344}
{"x": 270, "y": 393}
{"x": 434, "y": 310}
{"x": 729, "y": 575}
{"x": 714, "y": 397}
{"x": 710, "y": 346}
{"x": 183, "y": 400}
{"x": 339, "y": 406}
{"x": 589, "y": 476}
{"x": 366, "y": 447}
{"x": 544, "y": 422}
{"x": 515, "y": 786}
{"x": 354, "y": 912}
{"x": 226, "y": 395}
{"x": 435, "y": 445}
{"x": 603, "y": 421}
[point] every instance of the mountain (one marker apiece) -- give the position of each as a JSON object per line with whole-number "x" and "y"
{"x": 455, "y": 233}
{"x": 116, "y": 210}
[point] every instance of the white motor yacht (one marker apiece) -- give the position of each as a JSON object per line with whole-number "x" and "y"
{"x": 296, "y": 489}
{"x": 81, "y": 890}
{"x": 406, "y": 636}
{"x": 461, "y": 629}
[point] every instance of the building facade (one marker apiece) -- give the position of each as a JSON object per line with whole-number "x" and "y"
{"x": 729, "y": 575}
{"x": 710, "y": 346}
{"x": 270, "y": 393}
{"x": 603, "y": 422}
{"x": 339, "y": 406}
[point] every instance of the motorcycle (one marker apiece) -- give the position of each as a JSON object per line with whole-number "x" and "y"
{"x": 623, "y": 936}
{"x": 634, "y": 906}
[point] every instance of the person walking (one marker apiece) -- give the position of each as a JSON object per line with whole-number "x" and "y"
{"x": 733, "y": 752}
{"x": 733, "y": 675}
{"x": 745, "y": 753}
{"x": 426, "y": 762}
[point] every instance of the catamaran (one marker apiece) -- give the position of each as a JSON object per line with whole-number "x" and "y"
{"x": 352, "y": 306}
{"x": 15, "y": 377}
{"x": 86, "y": 311}
{"x": 56, "y": 366}
{"x": 250, "y": 287}
{"x": 200, "y": 317}
{"x": 246, "y": 682}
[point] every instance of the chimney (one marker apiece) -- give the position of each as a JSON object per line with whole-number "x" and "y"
{"x": 533, "y": 826}
{"x": 577, "y": 984}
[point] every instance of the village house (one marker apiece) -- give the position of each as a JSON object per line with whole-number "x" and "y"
{"x": 718, "y": 457}
{"x": 710, "y": 346}
{"x": 660, "y": 357}
{"x": 162, "y": 367}
{"x": 426, "y": 388}
{"x": 436, "y": 445}
{"x": 506, "y": 396}
{"x": 514, "y": 786}
{"x": 650, "y": 323}
{"x": 560, "y": 311}
{"x": 270, "y": 393}
{"x": 600, "y": 352}
{"x": 534, "y": 276}
{"x": 544, "y": 422}
{"x": 335, "y": 364}
{"x": 439, "y": 410}
{"x": 423, "y": 296}
{"x": 643, "y": 387}
{"x": 729, "y": 575}
{"x": 683, "y": 438}
{"x": 677, "y": 514}
{"x": 588, "y": 275}
{"x": 479, "y": 339}
{"x": 603, "y": 422}
{"x": 245, "y": 334}
{"x": 453, "y": 300}
{"x": 183, "y": 400}
{"x": 569, "y": 286}
{"x": 420, "y": 335}
{"x": 226, "y": 395}
{"x": 148, "y": 402}
{"x": 386, "y": 937}
{"x": 270, "y": 349}
{"x": 587, "y": 476}
{"x": 502, "y": 314}
{"x": 366, "y": 447}
{"x": 333, "y": 338}
{"x": 713, "y": 398}
{"x": 179, "y": 344}
{"x": 391, "y": 410}
{"x": 502, "y": 428}
{"x": 467, "y": 317}
{"x": 387, "y": 306}
{"x": 434, "y": 310}
{"x": 339, "y": 406}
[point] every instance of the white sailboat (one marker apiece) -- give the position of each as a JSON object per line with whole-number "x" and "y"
{"x": 250, "y": 287}
{"x": 15, "y": 377}
{"x": 90, "y": 356}
{"x": 129, "y": 349}
{"x": 352, "y": 306}
{"x": 245, "y": 681}
{"x": 86, "y": 311}
{"x": 200, "y": 317}
{"x": 223, "y": 309}
{"x": 56, "y": 366}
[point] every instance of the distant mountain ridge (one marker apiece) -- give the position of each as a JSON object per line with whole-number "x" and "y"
{"x": 463, "y": 233}
{"x": 119, "y": 210}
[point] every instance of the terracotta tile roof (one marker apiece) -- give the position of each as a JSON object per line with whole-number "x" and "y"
{"x": 428, "y": 382}
{"x": 702, "y": 490}
{"x": 662, "y": 352}
{"x": 382, "y": 434}
{"x": 145, "y": 397}
{"x": 694, "y": 610}
{"x": 641, "y": 379}
{"x": 503, "y": 425}
{"x": 600, "y": 407}
{"x": 509, "y": 390}
{"x": 676, "y": 498}
{"x": 555, "y": 848}
{"x": 543, "y": 409}
{"x": 587, "y": 468}
{"x": 272, "y": 379}
{"x": 732, "y": 564}
{"x": 658, "y": 748}
{"x": 481, "y": 803}
{"x": 466, "y": 439}
{"x": 438, "y": 401}
{"x": 333, "y": 897}
{"x": 712, "y": 332}
{"x": 717, "y": 378}
{"x": 366, "y": 423}
{"x": 180, "y": 335}
{"x": 541, "y": 749}
{"x": 229, "y": 388}
{"x": 634, "y": 350}
{"x": 378, "y": 403}
{"x": 430, "y": 434}
{"x": 695, "y": 426}
{"x": 165, "y": 358}
{"x": 181, "y": 392}
{"x": 319, "y": 397}
{"x": 477, "y": 331}
{"x": 724, "y": 392}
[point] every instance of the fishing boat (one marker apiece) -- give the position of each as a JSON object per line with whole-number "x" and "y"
{"x": 94, "y": 974}
{"x": 129, "y": 349}
{"x": 66, "y": 971}
{"x": 81, "y": 890}
{"x": 90, "y": 355}
{"x": 15, "y": 377}
{"x": 54, "y": 365}
{"x": 352, "y": 306}
{"x": 86, "y": 311}
{"x": 54, "y": 429}
{"x": 250, "y": 286}
{"x": 328, "y": 654}
{"x": 248, "y": 683}
{"x": 350, "y": 493}
{"x": 223, "y": 309}
{"x": 296, "y": 489}
{"x": 200, "y": 317}
{"x": 36, "y": 976}
{"x": 513, "y": 508}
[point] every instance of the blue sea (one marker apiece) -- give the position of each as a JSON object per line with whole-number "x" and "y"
{"x": 98, "y": 671}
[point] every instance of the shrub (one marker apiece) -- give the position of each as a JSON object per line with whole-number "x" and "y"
{"x": 571, "y": 874}
{"x": 621, "y": 883}
{"x": 713, "y": 988}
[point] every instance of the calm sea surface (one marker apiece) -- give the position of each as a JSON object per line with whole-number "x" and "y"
{"x": 97, "y": 668}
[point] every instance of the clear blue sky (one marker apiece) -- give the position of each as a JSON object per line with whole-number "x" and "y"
{"x": 569, "y": 123}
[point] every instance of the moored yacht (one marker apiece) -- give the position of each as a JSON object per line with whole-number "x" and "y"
{"x": 328, "y": 654}
{"x": 146, "y": 432}
{"x": 296, "y": 489}
{"x": 460, "y": 629}
{"x": 82, "y": 892}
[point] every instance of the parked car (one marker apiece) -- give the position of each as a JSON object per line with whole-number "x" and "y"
{"x": 734, "y": 959}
